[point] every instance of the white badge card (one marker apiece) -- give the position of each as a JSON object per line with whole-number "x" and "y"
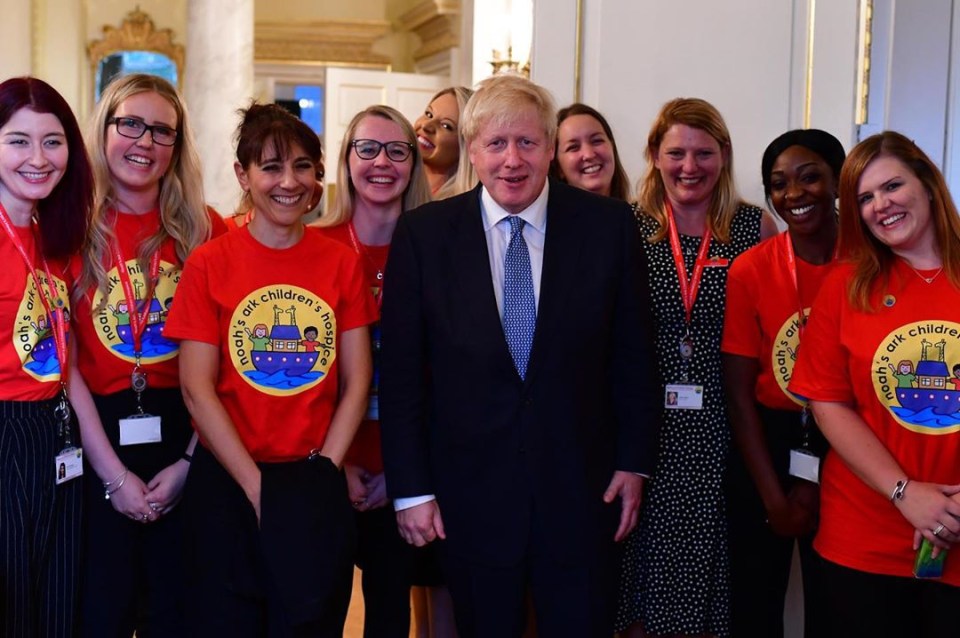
{"x": 69, "y": 464}
{"x": 138, "y": 429}
{"x": 683, "y": 397}
{"x": 805, "y": 465}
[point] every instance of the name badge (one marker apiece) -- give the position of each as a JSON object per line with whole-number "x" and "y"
{"x": 140, "y": 428}
{"x": 68, "y": 464}
{"x": 683, "y": 397}
{"x": 805, "y": 465}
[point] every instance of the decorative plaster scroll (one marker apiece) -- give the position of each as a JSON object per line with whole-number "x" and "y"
{"x": 327, "y": 41}
{"x": 437, "y": 22}
{"x": 136, "y": 33}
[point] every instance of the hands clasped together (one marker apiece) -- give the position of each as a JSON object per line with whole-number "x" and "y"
{"x": 147, "y": 502}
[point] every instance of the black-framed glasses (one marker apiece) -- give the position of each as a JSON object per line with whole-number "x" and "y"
{"x": 134, "y": 129}
{"x": 369, "y": 149}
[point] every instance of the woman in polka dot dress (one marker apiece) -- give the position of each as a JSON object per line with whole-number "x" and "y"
{"x": 675, "y": 577}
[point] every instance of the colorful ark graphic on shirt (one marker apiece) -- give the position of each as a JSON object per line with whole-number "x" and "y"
{"x": 33, "y": 332}
{"x": 916, "y": 375}
{"x": 283, "y": 339}
{"x": 784, "y": 355}
{"x": 112, "y": 323}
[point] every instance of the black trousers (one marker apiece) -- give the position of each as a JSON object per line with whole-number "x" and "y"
{"x": 387, "y": 563}
{"x": 133, "y": 573}
{"x": 862, "y": 605}
{"x": 39, "y": 526}
{"x": 289, "y": 577}
{"x": 569, "y": 599}
{"x": 760, "y": 560}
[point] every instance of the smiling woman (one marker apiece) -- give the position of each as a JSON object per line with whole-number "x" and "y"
{"x": 770, "y": 290}
{"x": 586, "y": 154}
{"x": 695, "y": 225}
{"x": 45, "y": 194}
{"x": 875, "y": 364}
{"x": 148, "y": 215}
{"x": 383, "y": 174}
{"x": 275, "y": 367}
{"x": 441, "y": 145}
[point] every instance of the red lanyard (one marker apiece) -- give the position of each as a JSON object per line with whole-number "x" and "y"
{"x": 362, "y": 252}
{"x": 688, "y": 287}
{"x": 138, "y": 316}
{"x": 787, "y": 243}
{"x": 58, "y": 322}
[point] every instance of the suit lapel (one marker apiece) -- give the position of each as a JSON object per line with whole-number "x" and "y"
{"x": 561, "y": 252}
{"x": 476, "y": 302}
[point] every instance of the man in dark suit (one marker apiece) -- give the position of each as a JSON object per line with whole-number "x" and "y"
{"x": 517, "y": 387}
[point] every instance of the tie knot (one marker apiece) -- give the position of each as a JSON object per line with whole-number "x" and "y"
{"x": 516, "y": 224}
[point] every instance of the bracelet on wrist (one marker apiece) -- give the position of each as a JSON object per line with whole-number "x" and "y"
{"x": 897, "y": 494}
{"x": 186, "y": 456}
{"x": 107, "y": 484}
{"x": 107, "y": 490}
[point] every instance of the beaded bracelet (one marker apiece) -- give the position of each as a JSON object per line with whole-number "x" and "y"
{"x": 897, "y": 494}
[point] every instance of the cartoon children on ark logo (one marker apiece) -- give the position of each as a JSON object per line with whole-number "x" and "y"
{"x": 33, "y": 334}
{"x": 283, "y": 339}
{"x": 916, "y": 374}
{"x": 113, "y": 320}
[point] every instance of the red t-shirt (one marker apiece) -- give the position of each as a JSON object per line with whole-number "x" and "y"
{"x": 891, "y": 366}
{"x": 29, "y": 367}
{"x": 106, "y": 353}
{"x": 762, "y": 315}
{"x": 258, "y": 305}
{"x": 365, "y": 450}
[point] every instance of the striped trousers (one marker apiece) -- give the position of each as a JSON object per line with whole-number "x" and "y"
{"x": 39, "y": 526}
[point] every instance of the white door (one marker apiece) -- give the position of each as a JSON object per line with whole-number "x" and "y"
{"x": 349, "y": 91}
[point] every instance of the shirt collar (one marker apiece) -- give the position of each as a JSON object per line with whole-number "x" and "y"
{"x": 535, "y": 214}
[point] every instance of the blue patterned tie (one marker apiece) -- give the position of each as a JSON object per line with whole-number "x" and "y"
{"x": 519, "y": 306}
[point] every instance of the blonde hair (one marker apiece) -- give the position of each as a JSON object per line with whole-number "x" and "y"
{"x": 463, "y": 177}
{"x": 699, "y": 114}
{"x": 500, "y": 98}
{"x": 416, "y": 193}
{"x": 872, "y": 259}
{"x": 183, "y": 214}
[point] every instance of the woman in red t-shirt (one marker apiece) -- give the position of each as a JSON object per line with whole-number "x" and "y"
{"x": 275, "y": 363}
{"x": 382, "y": 173}
{"x": 875, "y": 362}
{"x": 45, "y": 194}
{"x": 770, "y": 289}
{"x": 148, "y": 215}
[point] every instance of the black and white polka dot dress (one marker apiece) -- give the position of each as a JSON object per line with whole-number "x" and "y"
{"x": 675, "y": 576}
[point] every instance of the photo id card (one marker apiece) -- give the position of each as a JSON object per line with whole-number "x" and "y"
{"x": 140, "y": 428}
{"x": 683, "y": 397}
{"x": 805, "y": 465}
{"x": 68, "y": 464}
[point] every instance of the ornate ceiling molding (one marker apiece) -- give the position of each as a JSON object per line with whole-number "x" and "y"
{"x": 437, "y": 22}
{"x": 136, "y": 33}
{"x": 328, "y": 41}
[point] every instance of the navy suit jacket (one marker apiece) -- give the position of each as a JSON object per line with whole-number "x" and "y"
{"x": 513, "y": 461}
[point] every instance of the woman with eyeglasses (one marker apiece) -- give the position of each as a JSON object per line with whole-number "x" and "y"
{"x": 148, "y": 216}
{"x": 275, "y": 364}
{"x": 381, "y": 174}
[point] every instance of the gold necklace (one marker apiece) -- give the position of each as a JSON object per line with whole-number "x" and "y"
{"x": 928, "y": 280}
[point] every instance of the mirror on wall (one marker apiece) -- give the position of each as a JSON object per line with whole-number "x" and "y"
{"x": 136, "y": 46}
